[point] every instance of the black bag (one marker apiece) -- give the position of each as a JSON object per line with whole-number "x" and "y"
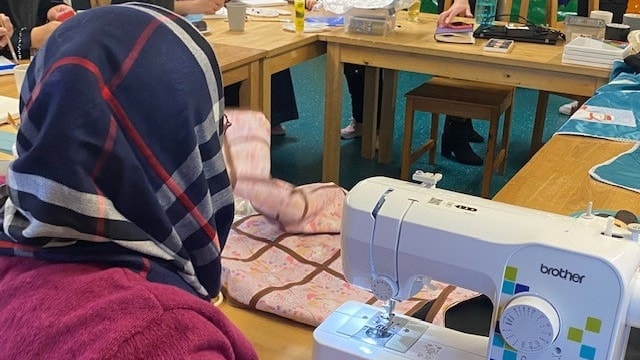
{"x": 531, "y": 33}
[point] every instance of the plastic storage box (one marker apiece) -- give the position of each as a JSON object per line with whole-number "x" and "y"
{"x": 580, "y": 26}
{"x": 379, "y": 21}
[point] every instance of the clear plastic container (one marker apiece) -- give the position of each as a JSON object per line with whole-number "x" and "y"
{"x": 380, "y": 21}
{"x": 580, "y": 26}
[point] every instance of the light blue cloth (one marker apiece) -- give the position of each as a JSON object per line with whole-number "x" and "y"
{"x": 622, "y": 92}
{"x": 623, "y": 170}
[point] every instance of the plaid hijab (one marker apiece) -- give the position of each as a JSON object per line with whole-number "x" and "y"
{"x": 120, "y": 160}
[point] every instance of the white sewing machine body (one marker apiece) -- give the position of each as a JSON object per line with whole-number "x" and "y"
{"x": 562, "y": 287}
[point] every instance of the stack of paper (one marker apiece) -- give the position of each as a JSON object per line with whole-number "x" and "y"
{"x": 6, "y": 66}
{"x": 8, "y": 105}
{"x": 592, "y": 52}
{"x": 261, "y": 3}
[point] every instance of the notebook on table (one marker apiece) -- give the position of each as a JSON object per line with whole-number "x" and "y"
{"x": 533, "y": 34}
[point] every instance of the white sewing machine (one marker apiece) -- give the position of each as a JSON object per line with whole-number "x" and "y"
{"x": 562, "y": 287}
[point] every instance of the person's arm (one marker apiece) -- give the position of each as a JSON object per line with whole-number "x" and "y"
{"x": 185, "y": 7}
{"x": 6, "y": 30}
{"x": 21, "y": 36}
{"x": 183, "y": 333}
{"x": 35, "y": 38}
{"x": 167, "y": 4}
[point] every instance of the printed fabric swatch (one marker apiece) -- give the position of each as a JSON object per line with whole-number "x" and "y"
{"x": 620, "y": 95}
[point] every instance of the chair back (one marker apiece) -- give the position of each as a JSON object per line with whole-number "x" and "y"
{"x": 507, "y": 7}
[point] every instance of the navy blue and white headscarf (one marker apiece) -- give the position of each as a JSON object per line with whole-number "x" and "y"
{"x": 120, "y": 160}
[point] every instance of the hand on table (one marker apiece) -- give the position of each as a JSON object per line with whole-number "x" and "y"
{"x": 60, "y": 12}
{"x": 186, "y": 7}
{"x": 458, "y": 8}
{"x": 6, "y": 30}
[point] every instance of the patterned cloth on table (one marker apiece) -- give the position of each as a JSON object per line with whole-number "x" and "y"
{"x": 622, "y": 95}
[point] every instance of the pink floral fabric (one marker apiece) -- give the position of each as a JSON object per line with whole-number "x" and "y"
{"x": 299, "y": 276}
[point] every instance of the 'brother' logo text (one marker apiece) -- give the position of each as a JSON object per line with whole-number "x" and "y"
{"x": 562, "y": 273}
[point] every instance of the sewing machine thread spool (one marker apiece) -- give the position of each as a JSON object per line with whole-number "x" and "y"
{"x": 635, "y": 231}
{"x": 589, "y": 213}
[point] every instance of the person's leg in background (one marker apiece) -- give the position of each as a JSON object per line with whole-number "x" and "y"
{"x": 459, "y": 132}
{"x": 354, "y": 74}
{"x": 283, "y": 100}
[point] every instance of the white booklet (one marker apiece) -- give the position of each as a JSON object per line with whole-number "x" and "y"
{"x": 8, "y": 105}
{"x": 605, "y": 115}
{"x": 262, "y": 3}
{"x": 6, "y": 66}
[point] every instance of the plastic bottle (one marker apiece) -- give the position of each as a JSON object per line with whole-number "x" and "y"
{"x": 298, "y": 16}
{"x": 485, "y": 12}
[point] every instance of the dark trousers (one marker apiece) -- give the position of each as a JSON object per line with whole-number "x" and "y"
{"x": 283, "y": 98}
{"x": 355, "y": 82}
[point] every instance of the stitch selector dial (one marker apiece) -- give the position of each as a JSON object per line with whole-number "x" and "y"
{"x": 529, "y": 323}
{"x": 384, "y": 288}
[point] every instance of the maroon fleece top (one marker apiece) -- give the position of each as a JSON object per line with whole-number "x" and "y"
{"x": 79, "y": 311}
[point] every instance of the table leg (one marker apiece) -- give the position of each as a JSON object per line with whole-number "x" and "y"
{"x": 387, "y": 114}
{"x": 333, "y": 111}
{"x": 370, "y": 112}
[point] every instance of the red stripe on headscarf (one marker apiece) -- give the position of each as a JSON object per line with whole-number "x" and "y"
{"x": 107, "y": 95}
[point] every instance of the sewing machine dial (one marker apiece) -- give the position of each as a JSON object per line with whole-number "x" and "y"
{"x": 529, "y": 323}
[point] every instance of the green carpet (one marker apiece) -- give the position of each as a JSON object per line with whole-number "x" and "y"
{"x": 297, "y": 157}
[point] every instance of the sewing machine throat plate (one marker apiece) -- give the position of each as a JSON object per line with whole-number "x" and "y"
{"x": 396, "y": 333}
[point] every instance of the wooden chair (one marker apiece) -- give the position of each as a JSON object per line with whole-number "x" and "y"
{"x": 467, "y": 99}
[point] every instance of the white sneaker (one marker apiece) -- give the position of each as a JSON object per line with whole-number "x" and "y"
{"x": 351, "y": 131}
{"x": 278, "y": 130}
{"x": 568, "y": 109}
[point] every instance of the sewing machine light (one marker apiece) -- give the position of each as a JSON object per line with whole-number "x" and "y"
{"x": 529, "y": 323}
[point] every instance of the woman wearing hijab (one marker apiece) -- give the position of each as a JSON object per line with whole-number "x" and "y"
{"x": 118, "y": 206}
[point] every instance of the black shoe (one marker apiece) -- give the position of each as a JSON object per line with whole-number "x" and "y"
{"x": 455, "y": 144}
{"x": 472, "y": 134}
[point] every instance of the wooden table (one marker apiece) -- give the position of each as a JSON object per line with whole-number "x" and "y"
{"x": 242, "y": 64}
{"x": 412, "y": 48}
{"x": 283, "y": 49}
{"x": 236, "y": 63}
{"x": 556, "y": 179}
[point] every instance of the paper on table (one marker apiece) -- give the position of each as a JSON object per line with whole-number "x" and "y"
{"x": 220, "y": 14}
{"x": 6, "y": 66}
{"x": 605, "y": 115}
{"x": 8, "y": 105}
{"x": 258, "y": 3}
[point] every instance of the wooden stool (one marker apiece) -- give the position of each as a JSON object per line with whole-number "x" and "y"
{"x": 466, "y": 99}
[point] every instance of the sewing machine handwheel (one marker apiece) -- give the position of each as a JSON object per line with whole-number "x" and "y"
{"x": 529, "y": 323}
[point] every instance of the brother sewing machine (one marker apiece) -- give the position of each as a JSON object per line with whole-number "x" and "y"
{"x": 562, "y": 287}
